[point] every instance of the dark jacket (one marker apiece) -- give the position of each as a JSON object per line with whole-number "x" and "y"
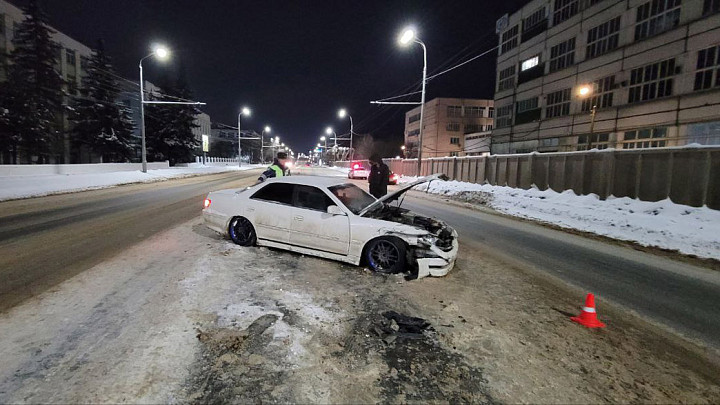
{"x": 272, "y": 171}
{"x": 378, "y": 179}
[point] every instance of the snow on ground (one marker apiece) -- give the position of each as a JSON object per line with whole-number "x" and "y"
{"x": 13, "y": 187}
{"x": 664, "y": 224}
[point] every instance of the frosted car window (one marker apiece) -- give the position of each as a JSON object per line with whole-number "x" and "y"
{"x": 275, "y": 192}
{"x": 352, "y": 196}
{"x": 312, "y": 198}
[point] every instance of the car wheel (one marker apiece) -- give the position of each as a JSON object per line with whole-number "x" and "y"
{"x": 242, "y": 232}
{"x": 386, "y": 255}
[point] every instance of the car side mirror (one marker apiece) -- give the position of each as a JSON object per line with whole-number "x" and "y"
{"x": 335, "y": 210}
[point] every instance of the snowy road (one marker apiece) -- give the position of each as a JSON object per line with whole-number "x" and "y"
{"x": 46, "y": 240}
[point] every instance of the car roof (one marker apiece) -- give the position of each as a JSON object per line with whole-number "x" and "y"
{"x": 317, "y": 181}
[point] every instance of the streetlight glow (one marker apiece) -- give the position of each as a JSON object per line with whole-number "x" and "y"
{"x": 342, "y": 113}
{"x": 267, "y": 128}
{"x": 245, "y": 111}
{"x": 584, "y": 91}
{"x": 329, "y": 130}
{"x": 161, "y": 52}
{"x": 406, "y": 37}
{"x": 277, "y": 139}
{"x": 322, "y": 138}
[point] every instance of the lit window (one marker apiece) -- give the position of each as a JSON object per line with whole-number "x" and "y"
{"x": 530, "y": 63}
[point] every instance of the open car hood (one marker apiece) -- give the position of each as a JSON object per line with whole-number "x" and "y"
{"x": 388, "y": 198}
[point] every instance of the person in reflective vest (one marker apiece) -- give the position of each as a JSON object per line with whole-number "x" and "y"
{"x": 277, "y": 169}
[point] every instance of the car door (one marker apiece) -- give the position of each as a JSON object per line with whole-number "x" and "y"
{"x": 270, "y": 209}
{"x": 313, "y": 227}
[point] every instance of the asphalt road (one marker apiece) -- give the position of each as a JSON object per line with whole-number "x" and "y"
{"x": 686, "y": 298}
{"x": 46, "y": 240}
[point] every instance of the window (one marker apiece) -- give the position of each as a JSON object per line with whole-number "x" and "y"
{"x": 597, "y": 141}
{"x": 529, "y": 63}
{"x": 711, "y": 7}
{"x": 507, "y": 78}
{"x": 474, "y": 112}
{"x": 704, "y": 133}
{"x": 70, "y": 56}
{"x": 491, "y": 112}
{"x": 470, "y": 128}
{"x": 562, "y": 55}
{"x": 453, "y": 126}
{"x": 354, "y": 198}
{"x": 602, "y": 95}
{"x": 276, "y": 192}
{"x": 549, "y": 142}
{"x": 311, "y": 198}
{"x": 509, "y": 39}
{"x": 414, "y": 132}
{"x": 488, "y": 127}
{"x": 603, "y": 38}
{"x": 564, "y": 9}
{"x": 708, "y": 68}
{"x": 528, "y": 110}
{"x": 504, "y": 116}
{"x": 454, "y": 111}
{"x": 414, "y": 118}
{"x": 453, "y": 154}
{"x": 656, "y": 16}
{"x": 558, "y": 103}
{"x": 645, "y": 138}
{"x": 526, "y": 105}
{"x": 651, "y": 81}
{"x": 2, "y": 24}
{"x": 534, "y": 24}
{"x": 455, "y": 141}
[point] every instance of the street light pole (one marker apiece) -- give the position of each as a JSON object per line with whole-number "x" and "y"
{"x": 244, "y": 111}
{"x": 592, "y": 126}
{"x": 262, "y": 144}
{"x": 161, "y": 53}
{"x": 342, "y": 113}
{"x": 405, "y": 38}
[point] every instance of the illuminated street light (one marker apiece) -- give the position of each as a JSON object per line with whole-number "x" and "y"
{"x": 341, "y": 114}
{"x": 162, "y": 53}
{"x": 262, "y": 142}
{"x": 408, "y": 36}
{"x": 243, "y": 111}
{"x": 585, "y": 92}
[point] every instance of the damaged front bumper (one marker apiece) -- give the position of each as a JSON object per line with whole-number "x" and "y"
{"x": 436, "y": 262}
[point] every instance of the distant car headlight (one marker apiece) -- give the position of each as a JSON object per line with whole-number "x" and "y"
{"x": 288, "y": 165}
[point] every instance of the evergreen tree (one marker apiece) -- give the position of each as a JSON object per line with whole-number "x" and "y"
{"x": 32, "y": 95}
{"x": 101, "y": 123}
{"x": 169, "y": 127}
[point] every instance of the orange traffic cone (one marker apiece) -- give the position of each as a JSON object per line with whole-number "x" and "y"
{"x": 588, "y": 317}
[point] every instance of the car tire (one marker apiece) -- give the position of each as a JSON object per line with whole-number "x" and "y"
{"x": 242, "y": 232}
{"x": 386, "y": 255}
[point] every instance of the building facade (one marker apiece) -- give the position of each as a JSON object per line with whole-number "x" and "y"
{"x": 71, "y": 61}
{"x": 579, "y": 74}
{"x": 445, "y": 123}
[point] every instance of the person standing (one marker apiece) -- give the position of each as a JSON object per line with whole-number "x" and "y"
{"x": 379, "y": 176}
{"x": 277, "y": 169}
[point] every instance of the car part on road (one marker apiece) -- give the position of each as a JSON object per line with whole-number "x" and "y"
{"x": 242, "y": 232}
{"x": 386, "y": 255}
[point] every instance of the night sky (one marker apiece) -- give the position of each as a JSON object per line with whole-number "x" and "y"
{"x": 296, "y": 62}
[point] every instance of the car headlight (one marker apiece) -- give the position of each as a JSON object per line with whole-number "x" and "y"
{"x": 426, "y": 240}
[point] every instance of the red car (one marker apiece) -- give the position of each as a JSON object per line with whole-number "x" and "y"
{"x": 358, "y": 170}
{"x": 393, "y": 178}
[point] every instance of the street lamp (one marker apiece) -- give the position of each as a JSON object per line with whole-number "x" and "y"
{"x": 262, "y": 142}
{"x": 341, "y": 114}
{"x": 408, "y": 36}
{"x": 585, "y": 92}
{"x": 402, "y": 148}
{"x": 244, "y": 111}
{"x": 161, "y": 53}
{"x": 330, "y": 131}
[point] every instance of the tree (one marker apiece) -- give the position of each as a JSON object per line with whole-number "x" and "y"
{"x": 32, "y": 95}
{"x": 100, "y": 122}
{"x": 169, "y": 127}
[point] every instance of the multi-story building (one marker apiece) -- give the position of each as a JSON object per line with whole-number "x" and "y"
{"x": 71, "y": 59}
{"x": 445, "y": 122}
{"x": 573, "y": 74}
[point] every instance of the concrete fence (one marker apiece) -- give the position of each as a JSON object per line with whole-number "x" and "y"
{"x": 689, "y": 175}
{"x": 40, "y": 170}
{"x": 216, "y": 161}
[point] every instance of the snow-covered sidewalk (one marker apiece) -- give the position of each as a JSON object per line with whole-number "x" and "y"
{"x": 663, "y": 224}
{"x": 13, "y": 187}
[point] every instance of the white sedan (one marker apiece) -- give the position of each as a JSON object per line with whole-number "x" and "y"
{"x": 334, "y": 219}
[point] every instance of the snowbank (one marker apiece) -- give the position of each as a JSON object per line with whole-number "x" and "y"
{"x": 664, "y": 224}
{"x": 13, "y": 187}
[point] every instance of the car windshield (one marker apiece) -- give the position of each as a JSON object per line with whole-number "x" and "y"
{"x": 352, "y": 196}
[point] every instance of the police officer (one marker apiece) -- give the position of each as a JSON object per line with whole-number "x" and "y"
{"x": 277, "y": 169}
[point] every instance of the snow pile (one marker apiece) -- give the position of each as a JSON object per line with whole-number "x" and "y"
{"x": 664, "y": 224}
{"x": 12, "y": 187}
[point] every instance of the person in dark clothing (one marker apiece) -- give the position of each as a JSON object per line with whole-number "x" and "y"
{"x": 277, "y": 169}
{"x": 379, "y": 176}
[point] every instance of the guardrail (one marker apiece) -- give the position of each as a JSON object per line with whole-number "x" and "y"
{"x": 686, "y": 175}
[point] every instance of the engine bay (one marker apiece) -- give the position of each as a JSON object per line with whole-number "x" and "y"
{"x": 439, "y": 229}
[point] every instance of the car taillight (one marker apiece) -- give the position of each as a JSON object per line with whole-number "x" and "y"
{"x": 356, "y": 167}
{"x": 207, "y": 203}
{"x": 394, "y": 176}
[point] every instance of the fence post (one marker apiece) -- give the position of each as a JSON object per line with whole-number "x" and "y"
{"x": 610, "y": 183}
{"x": 638, "y": 172}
